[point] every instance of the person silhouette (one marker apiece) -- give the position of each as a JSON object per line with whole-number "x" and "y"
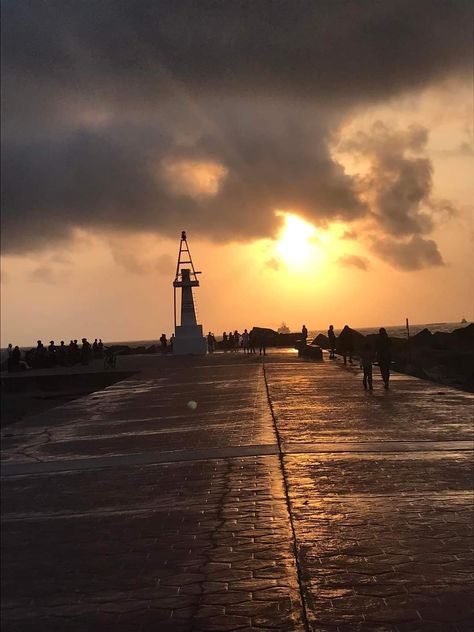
{"x": 246, "y": 342}
{"x": 85, "y": 351}
{"x": 366, "y": 359}
{"x": 304, "y": 333}
{"x": 164, "y": 343}
{"x": 332, "y": 342}
{"x": 384, "y": 355}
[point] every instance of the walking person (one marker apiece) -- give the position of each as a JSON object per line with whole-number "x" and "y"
{"x": 384, "y": 355}
{"x": 366, "y": 360}
{"x": 332, "y": 342}
{"x": 346, "y": 345}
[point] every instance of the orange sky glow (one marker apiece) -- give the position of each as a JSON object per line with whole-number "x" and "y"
{"x": 115, "y": 282}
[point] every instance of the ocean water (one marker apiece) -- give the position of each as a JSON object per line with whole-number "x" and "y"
{"x": 397, "y": 331}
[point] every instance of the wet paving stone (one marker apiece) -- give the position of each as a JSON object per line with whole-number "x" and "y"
{"x": 384, "y": 534}
{"x": 152, "y": 516}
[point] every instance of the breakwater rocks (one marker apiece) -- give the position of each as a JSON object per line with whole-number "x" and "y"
{"x": 447, "y": 358}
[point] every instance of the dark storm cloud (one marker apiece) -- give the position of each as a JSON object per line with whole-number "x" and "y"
{"x": 113, "y": 178}
{"x": 411, "y": 255}
{"x": 98, "y": 95}
{"x": 329, "y": 49}
{"x": 399, "y": 182}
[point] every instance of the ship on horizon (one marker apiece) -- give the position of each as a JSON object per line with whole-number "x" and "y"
{"x": 283, "y": 328}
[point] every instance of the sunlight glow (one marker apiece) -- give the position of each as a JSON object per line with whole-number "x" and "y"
{"x": 299, "y": 243}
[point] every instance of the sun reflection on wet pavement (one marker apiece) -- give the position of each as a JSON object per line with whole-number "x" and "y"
{"x": 132, "y": 510}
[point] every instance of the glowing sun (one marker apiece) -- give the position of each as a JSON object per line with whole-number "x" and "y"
{"x": 298, "y": 242}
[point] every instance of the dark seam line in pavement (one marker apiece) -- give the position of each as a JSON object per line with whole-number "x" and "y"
{"x": 380, "y": 448}
{"x": 126, "y": 460}
{"x": 288, "y": 506}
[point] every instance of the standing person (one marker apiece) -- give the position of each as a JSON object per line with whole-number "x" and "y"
{"x": 366, "y": 360}
{"x": 61, "y": 353}
{"x": 231, "y": 341}
{"x": 100, "y": 347}
{"x": 224, "y": 341}
{"x": 95, "y": 348}
{"x": 251, "y": 342}
{"x": 77, "y": 353}
{"x": 171, "y": 343}
{"x": 236, "y": 340}
{"x": 245, "y": 342}
{"x": 332, "y": 342}
{"x": 304, "y": 334}
{"x": 85, "y": 351}
{"x": 9, "y": 358}
{"x": 384, "y": 355}
{"x": 345, "y": 343}
{"x": 14, "y": 360}
{"x": 209, "y": 343}
{"x": 164, "y": 343}
{"x": 52, "y": 352}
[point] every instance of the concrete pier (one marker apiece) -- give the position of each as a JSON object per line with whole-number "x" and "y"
{"x": 288, "y": 499}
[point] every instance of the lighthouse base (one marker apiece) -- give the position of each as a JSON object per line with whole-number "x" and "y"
{"x": 189, "y": 340}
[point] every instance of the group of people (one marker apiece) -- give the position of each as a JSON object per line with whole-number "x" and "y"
{"x": 166, "y": 345}
{"x": 42, "y": 357}
{"x": 367, "y": 355}
{"x": 248, "y": 342}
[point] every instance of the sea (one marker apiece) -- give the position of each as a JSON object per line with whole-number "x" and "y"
{"x": 395, "y": 331}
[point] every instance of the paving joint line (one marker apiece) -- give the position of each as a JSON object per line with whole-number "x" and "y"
{"x": 288, "y": 505}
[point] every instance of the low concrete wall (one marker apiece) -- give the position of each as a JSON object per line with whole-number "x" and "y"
{"x": 63, "y": 382}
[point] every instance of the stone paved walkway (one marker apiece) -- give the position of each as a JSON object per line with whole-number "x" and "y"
{"x": 290, "y": 499}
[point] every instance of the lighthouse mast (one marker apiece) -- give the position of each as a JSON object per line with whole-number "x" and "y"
{"x": 188, "y": 334}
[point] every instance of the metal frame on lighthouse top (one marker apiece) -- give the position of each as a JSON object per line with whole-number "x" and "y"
{"x": 184, "y": 257}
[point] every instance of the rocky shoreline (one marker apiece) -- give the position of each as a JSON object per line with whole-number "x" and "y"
{"x": 446, "y": 358}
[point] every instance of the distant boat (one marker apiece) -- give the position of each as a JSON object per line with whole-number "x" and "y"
{"x": 283, "y": 328}
{"x": 463, "y": 321}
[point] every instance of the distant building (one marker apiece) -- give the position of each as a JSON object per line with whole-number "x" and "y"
{"x": 283, "y": 328}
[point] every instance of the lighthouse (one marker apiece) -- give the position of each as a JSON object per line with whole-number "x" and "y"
{"x": 188, "y": 334}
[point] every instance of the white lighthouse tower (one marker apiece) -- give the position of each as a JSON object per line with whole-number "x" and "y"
{"x": 188, "y": 335}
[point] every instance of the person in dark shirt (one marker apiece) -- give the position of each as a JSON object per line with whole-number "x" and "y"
{"x": 85, "y": 351}
{"x": 384, "y": 355}
{"x": 14, "y": 360}
{"x": 332, "y": 342}
{"x": 304, "y": 334}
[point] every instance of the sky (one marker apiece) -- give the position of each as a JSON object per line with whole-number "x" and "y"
{"x": 319, "y": 155}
